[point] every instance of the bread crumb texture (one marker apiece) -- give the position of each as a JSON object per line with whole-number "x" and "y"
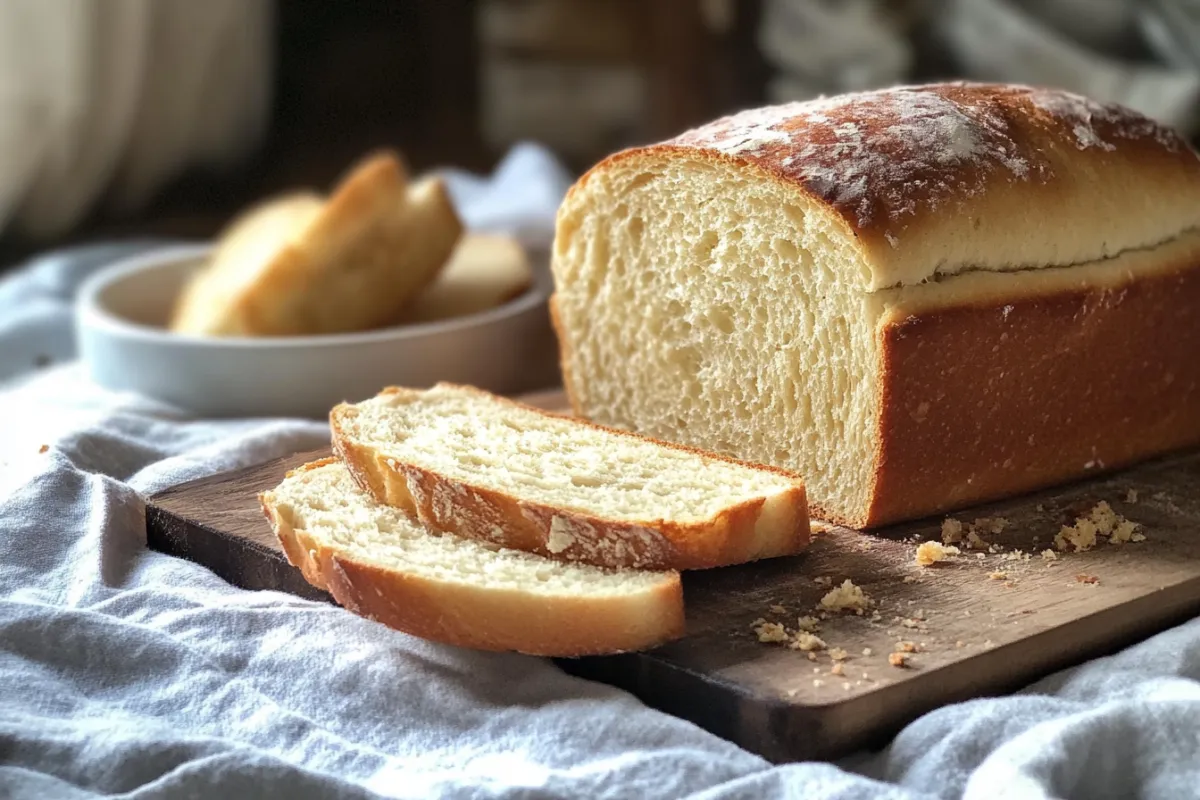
{"x": 847, "y": 597}
{"x": 930, "y": 553}
{"x": 898, "y": 659}
{"x": 1101, "y": 521}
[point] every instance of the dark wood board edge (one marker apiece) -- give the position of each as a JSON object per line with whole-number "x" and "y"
{"x": 224, "y": 555}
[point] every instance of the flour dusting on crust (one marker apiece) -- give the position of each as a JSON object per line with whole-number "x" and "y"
{"x": 881, "y": 157}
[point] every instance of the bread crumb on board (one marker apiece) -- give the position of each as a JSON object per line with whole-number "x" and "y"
{"x": 807, "y": 642}
{"x": 867, "y": 651}
{"x": 43, "y": 449}
{"x": 898, "y": 659}
{"x": 823, "y": 580}
{"x": 1102, "y": 520}
{"x": 778, "y": 609}
{"x": 1131, "y": 496}
{"x": 952, "y": 531}
{"x": 906, "y": 647}
{"x": 1091, "y": 580}
{"x": 808, "y": 624}
{"x": 838, "y": 654}
{"x": 838, "y": 668}
{"x": 770, "y": 632}
{"x": 1049, "y": 555}
{"x": 998, "y": 575}
{"x": 930, "y": 553}
{"x": 847, "y": 597}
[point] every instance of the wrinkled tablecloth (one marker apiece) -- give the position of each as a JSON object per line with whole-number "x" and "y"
{"x": 124, "y": 672}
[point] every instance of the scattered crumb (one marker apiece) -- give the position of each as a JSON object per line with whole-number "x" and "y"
{"x": 1040, "y": 508}
{"x": 866, "y": 677}
{"x": 975, "y": 541}
{"x": 1089, "y": 579}
{"x": 812, "y": 656}
{"x": 1017, "y": 555}
{"x": 838, "y": 654}
{"x": 846, "y": 597}
{"x": 992, "y": 525}
{"x": 1131, "y": 496}
{"x": 44, "y": 448}
{"x": 838, "y": 668}
{"x": 1124, "y": 532}
{"x": 980, "y": 556}
{"x": 912, "y": 578}
{"x": 905, "y": 647}
{"x": 1080, "y": 537}
{"x": 952, "y": 531}
{"x": 778, "y": 609}
{"x": 808, "y": 624}
{"x": 1137, "y": 537}
{"x": 818, "y": 682}
{"x": 866, "y": 651}
{"x": 846, "y": 686}
{"x": 876, "y": 616}
{"x": 1009, "y": 584}
{"x": 898, "y": 660}
{"x": 995, "y": 548}
{"x": 998, "y": 576}
{"x": 1049, "y": 555}
{"x": 770, "y": 632}
{"x": 967, "y": 612}
{"x": 929, "y": 553}
{"x": 959, "y": 643}
{"x": 911, "y": 623}
{"x": 1100, "y": 521}
{"x": 823, "y": 580}
{"x": 816, "y": 670}
{"x": 989, "y": 643}
{"x": 807, "y": 642}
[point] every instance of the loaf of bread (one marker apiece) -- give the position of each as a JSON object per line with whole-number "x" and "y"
{"x": 918, "y": 298}
{"x": 378, "y": 563}
{"x": 303, "y": 264}
{"x": 464, "y": 461}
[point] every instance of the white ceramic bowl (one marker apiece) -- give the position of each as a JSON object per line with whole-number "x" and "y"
{"x": 122, "y": 310}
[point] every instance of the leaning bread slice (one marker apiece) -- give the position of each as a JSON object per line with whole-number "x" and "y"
{"x": 352, "y": 262}
{"x": 378, "y": 563}
{"x": 467, "y": 462}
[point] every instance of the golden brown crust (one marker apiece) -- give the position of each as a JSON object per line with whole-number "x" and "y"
{"x": 995, "y": 397}
{"x": 478, "y": 616}
{"x": 929, "y": 180}
{"x": 755, "y": 529}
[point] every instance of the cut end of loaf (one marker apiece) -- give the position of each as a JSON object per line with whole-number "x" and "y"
{"x": 748, "y": 340}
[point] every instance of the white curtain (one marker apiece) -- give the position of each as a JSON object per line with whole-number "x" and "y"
{"x": 104, "y": 101}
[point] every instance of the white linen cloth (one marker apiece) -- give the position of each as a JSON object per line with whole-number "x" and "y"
{"x": 125, "y": 672}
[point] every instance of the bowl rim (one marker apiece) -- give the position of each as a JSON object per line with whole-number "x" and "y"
{"x": 93, "y": 314}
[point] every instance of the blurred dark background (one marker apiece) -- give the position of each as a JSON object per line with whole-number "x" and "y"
{"x": 458, "y": 82}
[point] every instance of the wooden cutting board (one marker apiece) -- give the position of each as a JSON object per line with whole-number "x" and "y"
{"x": 984, "y": 623}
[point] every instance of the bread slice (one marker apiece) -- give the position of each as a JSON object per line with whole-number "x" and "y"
{"x": 483, "y": 467}
{"x": 919, "y": 298}
{"x": 302, "y": 265}
{"x": 484, "y": 271}
{"x": 379, "y": 564}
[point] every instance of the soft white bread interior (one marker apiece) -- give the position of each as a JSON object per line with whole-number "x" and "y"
{"x": 378, "y": 563}
{"x": 810, "y": 285}
{"x": 484, "y": 271}
{"x": 465, "y": 461}
{"x": 304, "y": 265}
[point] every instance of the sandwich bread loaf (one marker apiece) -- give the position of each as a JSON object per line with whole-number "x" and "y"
{"x": 917, "y": 298}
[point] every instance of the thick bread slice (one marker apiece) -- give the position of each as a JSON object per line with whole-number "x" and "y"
{"x": 379, "y": 564}
{"x": 467, "y": 462}
{"x": 352, "y": 263}
{"x": 484, "y": 271}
